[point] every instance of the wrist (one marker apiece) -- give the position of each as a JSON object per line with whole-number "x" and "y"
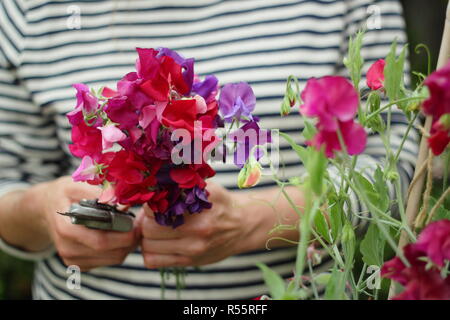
{"x": 257, "y": 220}
{"x": 261, "y": 212}
{"x": 30, "y": 218}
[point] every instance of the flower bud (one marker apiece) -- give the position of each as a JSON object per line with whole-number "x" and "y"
{"x": 250, "y": 174}
{"x": 392, "y": 175}
{"x": 285, "y": 106}
{"x": 374, "y": 101}
{"x": 348, "y": 234}
{"x": 313, "y": 254}
{"x": 444, "y": 122}
{"x": 376, "y": 124}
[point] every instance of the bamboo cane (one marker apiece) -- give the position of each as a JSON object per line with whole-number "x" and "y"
{"x": 413, "y": 202}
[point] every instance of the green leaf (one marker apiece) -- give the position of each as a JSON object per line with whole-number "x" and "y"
{"x": 322, "y": 278}
{"x": 367, "y": 188}
{"x": 348, "y": 244}
{"x": 274, "y": 282}
{"x": 301, "y": 151}
{"x": 354, "y": 61}
{"x": 393, "y": 73}
{"x": 441, "y": 212}
{"x": 336, "y": 218}
{"x": 336, "y": 286}
{"x": 310, "y": 131}
{"x": 322, "y": 226}
{"x": 372, "y": 246}
{"x": 382, "y": 190}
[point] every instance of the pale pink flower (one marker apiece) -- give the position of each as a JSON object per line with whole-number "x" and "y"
{"x": 86, "y": 171}
{"x": 110, "y": 135}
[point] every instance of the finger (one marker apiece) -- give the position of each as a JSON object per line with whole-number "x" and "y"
{"x": 164, "y": 246}
{"x": 80, "y": 190}
{"x": 153, "y": 261}
{"x": 152, "y": 230}
{"x": 98, "y": 240}
{"x": 72, "y": 250}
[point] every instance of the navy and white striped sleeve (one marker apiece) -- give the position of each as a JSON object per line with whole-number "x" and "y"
{"x": 25, "y": 130}
{"x": 29, "y": 147}
{"x": 384, "y": 23}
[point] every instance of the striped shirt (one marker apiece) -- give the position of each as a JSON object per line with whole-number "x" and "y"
{"x": 46, "y": 46}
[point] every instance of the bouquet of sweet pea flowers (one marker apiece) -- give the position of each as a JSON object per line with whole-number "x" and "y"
{"x": 149, "y": 140}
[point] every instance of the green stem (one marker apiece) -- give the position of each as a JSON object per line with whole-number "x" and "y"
{"x": 373, "y": 114}
{"x": 401, "y": 209}
{"x": 410, "y": 125}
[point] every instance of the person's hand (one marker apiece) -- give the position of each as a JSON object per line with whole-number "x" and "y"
{"x": 204, "y": 238}
{"x": 76, "y": 244}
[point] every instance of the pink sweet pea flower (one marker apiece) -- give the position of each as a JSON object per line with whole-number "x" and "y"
{"x": 331, "y": 99}
{"x": 86, "y": 171}
{"x": 422, "y": 280}
{"x": 87, "y": 104}
{"x": 110, "y": 135}
{"x": 375, "y": 75}
{"x": 148, "y": 113}
{"x": 334, "y": 102}
{"x": 354, "y": 136}
{"x": 435, "y": 241}
{"x": 438, "y": 107}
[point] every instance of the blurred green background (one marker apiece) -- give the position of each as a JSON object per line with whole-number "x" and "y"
{"x": 424, "y": 20}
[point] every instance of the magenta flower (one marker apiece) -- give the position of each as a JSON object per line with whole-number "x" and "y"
{"x": 353, "y": 134}
{"x": 438, "y": 106}
{"x": 330, "y": 99}
{"x": 86, "y": 171}
{"x": 129, "y": 86}
{"x": 237, "y": 100}
{"x": 110, "y": 135}
{"x": 438, "y": 84}
{"x": 87, "y": 104}
{"x": 421, "y": 280}
{"x": 87, "y": 141}
{"x": 435, "y": 241}
{"x": 375, "y": 75}
{"x": 334, "y": 102}
{"x": 121, "y": 111}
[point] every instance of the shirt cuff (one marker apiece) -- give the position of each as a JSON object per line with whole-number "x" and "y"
{"x": 26, "y": 255}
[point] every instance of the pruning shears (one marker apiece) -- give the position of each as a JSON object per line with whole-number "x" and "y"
{"x": 95, "y": 215}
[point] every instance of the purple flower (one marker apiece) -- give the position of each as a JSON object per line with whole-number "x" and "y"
{"x": 206, "y": 87}
{"x": 246, "y": 137}
{"x": 186, "y": 64}
{"x": 197, "y": 200}
{"x": 173, "y": 217}
{"x": 237, "y": 100}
